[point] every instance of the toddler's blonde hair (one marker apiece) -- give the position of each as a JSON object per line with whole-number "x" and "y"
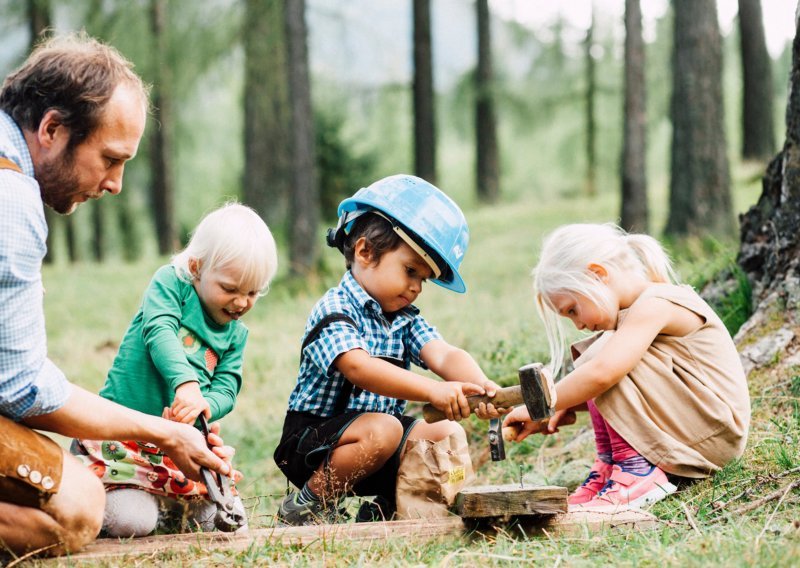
{"x": 564, "y": 263}
{"x": 234, "y": 234}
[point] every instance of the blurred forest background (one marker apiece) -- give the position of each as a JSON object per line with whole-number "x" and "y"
{"x": 291, "y": 106}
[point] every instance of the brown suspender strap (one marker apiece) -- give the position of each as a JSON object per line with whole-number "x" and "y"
{"x": 6, "y": 164}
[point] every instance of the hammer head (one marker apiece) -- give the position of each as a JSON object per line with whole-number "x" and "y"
{"x": 538, "y": 392}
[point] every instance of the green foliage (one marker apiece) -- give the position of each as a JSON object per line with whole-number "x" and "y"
{"x": 341, "y": 170}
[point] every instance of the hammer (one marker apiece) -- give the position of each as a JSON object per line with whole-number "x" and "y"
{"x": 535, "y": 389}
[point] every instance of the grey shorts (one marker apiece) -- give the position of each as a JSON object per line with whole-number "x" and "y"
{"x": 30, "y": 465}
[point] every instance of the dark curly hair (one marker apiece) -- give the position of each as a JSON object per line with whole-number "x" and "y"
{"x": 74, "y": 75}
{"x": 378, "y": 233}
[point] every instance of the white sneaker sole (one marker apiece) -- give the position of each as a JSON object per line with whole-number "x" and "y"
{"x": 654, "y": 495}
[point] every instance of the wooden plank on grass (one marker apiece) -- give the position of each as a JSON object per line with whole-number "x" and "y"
{"x": 416, "y": 530}
{"x": 584, "y": 523}
{"x": 510, "y": 501}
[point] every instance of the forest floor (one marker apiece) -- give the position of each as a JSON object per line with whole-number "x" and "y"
{"x": 746, "y": 515}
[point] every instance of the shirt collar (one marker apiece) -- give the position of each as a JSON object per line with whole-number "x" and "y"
{"x": 13, "y": 145}
{"x": 366, "y": 302}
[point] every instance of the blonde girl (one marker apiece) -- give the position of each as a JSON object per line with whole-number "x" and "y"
{"x": 660, "y": 375}
{"x": 182, "y": 357}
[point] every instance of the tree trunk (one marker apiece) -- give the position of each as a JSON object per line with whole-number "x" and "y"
{"x": 591, "y": 89}
{"x": 700, "y": 199}
{"x": 488, "y": 183}
{"x": 424, "y": 108}
{"x": 39, "y": 20}
{"x": 98, "y": 231}
{"x": 770, "y": 249}
{"x": 266, "y": 113}
{"x": 304, "y": 197}
{"x": 634, "y": 212}
{"x": 757, "y": 116}
{"x": 161, "y": 148}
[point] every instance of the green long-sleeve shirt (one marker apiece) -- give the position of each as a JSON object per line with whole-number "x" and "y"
{"x": 170, "y": 341}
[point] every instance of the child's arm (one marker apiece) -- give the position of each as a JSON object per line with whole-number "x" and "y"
{"x": 645, "y": 320}
{"x": 381, "y": 377}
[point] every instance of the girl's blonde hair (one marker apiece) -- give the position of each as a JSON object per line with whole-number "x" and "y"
{"x": 234, "y": 234}
{"x": 564, "y": 263}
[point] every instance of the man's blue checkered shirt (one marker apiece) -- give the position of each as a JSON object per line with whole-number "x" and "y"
{"x": 319, "y": 383}
{"x": 30, "y": 384}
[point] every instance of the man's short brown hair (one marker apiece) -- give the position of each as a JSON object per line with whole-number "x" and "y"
{"x": 74, "y": 75}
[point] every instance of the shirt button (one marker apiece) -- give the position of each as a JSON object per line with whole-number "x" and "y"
{"x": 47, "y": 482}
{"x": 36, "y": 477}
{"x": 23, "y": 470}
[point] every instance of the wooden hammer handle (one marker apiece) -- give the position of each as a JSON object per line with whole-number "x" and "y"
{"x": 504, "y": 398}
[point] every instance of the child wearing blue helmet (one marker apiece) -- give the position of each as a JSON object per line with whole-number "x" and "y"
{"x": 345, "y": 430}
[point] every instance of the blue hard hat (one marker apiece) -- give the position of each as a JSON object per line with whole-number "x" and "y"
{"x": 420, "y": 208}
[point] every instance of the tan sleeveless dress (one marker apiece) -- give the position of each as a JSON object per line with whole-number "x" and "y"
{"x": 685, "y": 407}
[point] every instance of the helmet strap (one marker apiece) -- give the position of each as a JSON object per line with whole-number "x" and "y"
{"x": 437, "y": 272}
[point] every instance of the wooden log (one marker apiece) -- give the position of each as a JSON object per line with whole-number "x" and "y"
{"x": 510, "y": 501}
{"x": 412, "y": 530}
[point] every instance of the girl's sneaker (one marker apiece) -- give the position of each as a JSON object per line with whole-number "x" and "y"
{"x": 596, "y": 480}
{"x": 626, "y": 490}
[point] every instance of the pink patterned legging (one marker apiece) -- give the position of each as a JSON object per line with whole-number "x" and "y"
{"x": 607, "y": 439}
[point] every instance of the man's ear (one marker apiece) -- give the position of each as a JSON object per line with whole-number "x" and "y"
{"x": 52, "y": 131}
{"x": 194, "y": 267}
{"x": 598, "y": 270}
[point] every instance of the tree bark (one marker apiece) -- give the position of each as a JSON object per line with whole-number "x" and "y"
{"x": 161, "y": 145}
{"x": 488, "y": 182}
{"x": 591, "y": 89}
{"x": 424, "y": 107}
{"x": 700, "y": 199}
{"x": 266, "y": 110}
{"x": 634, "y": 212}
{"x": 304, "y": 197}
{"x": 758, "y": 132}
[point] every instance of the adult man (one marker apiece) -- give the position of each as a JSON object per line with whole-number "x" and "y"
{"x": 70, "y": 118}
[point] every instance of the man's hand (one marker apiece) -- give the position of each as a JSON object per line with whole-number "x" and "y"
{"x": 451, "y": 397}
{"x": 187, "y": 447}
{"x": 188, "y": 404}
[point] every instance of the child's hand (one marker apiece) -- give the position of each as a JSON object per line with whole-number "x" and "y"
{"x": 189, "y": 403}
{"x": 487, "y": 411}
{"x": 560, "y": 418}
{"x": 451, "y": 398}
{"x": 520, "y": 420}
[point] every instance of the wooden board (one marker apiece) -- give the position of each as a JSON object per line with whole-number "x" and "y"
{"x": 510, "y": 501}
{"x": 573, "y": 523}
{"x": 451, "y": 527}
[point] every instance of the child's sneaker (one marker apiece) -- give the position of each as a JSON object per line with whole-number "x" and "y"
{"x": 302, "y": 514}
{"x": 626, "y": 490}
{"x": 596, "y": 480}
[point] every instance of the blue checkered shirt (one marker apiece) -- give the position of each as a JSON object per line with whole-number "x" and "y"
{"x": 30, "y": 384}
{"x": 319, "y": 383}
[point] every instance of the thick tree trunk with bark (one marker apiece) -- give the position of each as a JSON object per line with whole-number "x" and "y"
{"x": 266, "y": 110}
{"x": 488, "y": 182}
{"x": 424, "y": 107}
{"x": 304, "y": 196}
{"x": 770, "y": 247}
{"x": 634, "y": 212}
{"x": 162, "y": 184}
{"x": 700, "y": 199}
{"x": 757, "y": 117}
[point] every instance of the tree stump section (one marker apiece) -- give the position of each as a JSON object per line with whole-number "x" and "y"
{"x": 510, "y": 501}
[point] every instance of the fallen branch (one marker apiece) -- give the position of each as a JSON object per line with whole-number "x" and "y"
{"x": 766, "y": 499}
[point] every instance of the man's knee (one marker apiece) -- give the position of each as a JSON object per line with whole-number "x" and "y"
{"x": 79, "y": 504}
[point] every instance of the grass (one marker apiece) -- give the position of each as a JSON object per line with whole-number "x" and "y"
{"x": 89, "y": 306}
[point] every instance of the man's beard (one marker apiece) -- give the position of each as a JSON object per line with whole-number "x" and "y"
{"x": 58, "y": 182}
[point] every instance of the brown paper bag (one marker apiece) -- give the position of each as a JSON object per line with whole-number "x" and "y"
{"x": 431, "y": 475}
